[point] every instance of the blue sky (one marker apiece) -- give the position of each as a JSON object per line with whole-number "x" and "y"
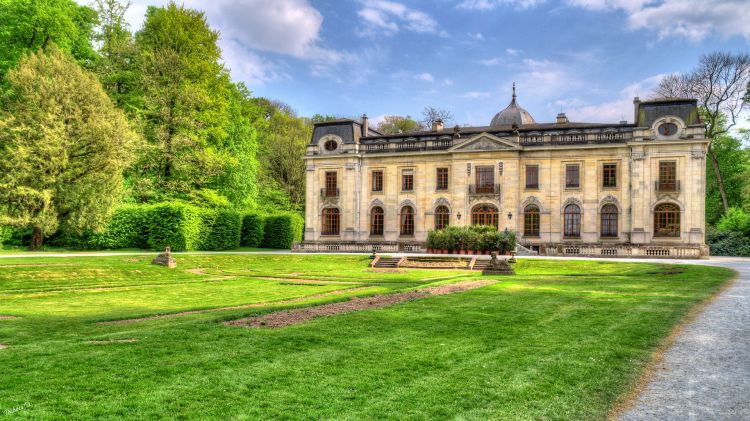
{"x": 587, "y": 58}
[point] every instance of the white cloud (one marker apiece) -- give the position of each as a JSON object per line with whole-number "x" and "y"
{"x": 388, "y": 17}
{"x": 512, "y": 52}
{"x": 447, "y": 82}
{"x": 491, "y": 61}
{"x": 611, "y": 111}
{"x": 492, "y": 4}
{"x": 690, "y": 19}
{"x": 426, "y": 77}
{"x": 477, "y": 36}
{"x": 476, "y": 94}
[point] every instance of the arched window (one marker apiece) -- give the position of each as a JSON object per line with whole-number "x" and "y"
{"x": 572, "y": 216}
{"x": 531, "y": 221}
{"x": 377, "y": 220}
{"x": 442, "y": 216}
{"x": 407, "y": 220}
{"x": 666, "y": 220}
{"x": 484, "y": 215}
{"x": 330, "y": 221}
{"x": 608, "y": 217}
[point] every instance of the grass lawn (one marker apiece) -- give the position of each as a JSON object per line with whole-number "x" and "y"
{"x": 560, "y": 340}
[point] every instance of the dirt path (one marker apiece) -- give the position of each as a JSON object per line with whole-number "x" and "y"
{"x": 239, "y": 307}
{"x": 7, "y": 317}
{"x": 291, "y": 317}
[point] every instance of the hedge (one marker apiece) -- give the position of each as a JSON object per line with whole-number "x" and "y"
{"x": 6, "y": 233}
{"x": 221, "y": 230}
{"x": 176, "y": 225}
{"x": 281, "y": 230}
{"x": 128, "y": 227}
{"x": 475, "y": 237}
{"x": 728, "y": 243}
{"x": 253, "y": 227}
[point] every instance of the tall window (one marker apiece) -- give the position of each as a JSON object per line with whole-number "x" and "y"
{"x": 572, "y": 214}
{"x": 377, "y": 220}
{"x": 667, "y": 220}
{"x": 609, "y": 175}
{"x": 330, "y": 221}
{"x": 442, "y": 179}
{"x": 531, "y": 221}
{"x": 608, "y": 217}
{"x": 532, "y": 176}
{"x": 484, "y": 215}
{"x": 572, "y": 176}
{"x": 667, "y": 176}
{"x": 407, "y": 220}
{"x": 442, "y": 216}
{"x": 331, "y": 184}
{"x": 485, "y": 178}
{"x": 377, "y": 181}
{"x": 407, "y": 181}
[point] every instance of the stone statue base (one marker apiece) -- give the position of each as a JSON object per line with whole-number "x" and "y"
{"x": 498, "y": 267}
{"x": 165, "y": 259}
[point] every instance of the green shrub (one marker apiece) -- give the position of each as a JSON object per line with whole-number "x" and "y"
{"x": 253, "y": 227}
{"x": 483, "y": 238}
{"x": 735, "y": 220}
{"x": 6, "y": 233}
{"x": 283, "y": 229}
{"x": 176, "y": 225}
{"x": 127, "y": 228}
{"x": 728, "y": 243}
{"x": 220, "y": 230}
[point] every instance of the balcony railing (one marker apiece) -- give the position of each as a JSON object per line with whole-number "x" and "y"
{"x": 667, "y": 186}
{"x": 484, "y": 189}
{"x": 329, "y": 192}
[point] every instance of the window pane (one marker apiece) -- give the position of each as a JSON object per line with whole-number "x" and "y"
{"x": 572, "y": 221}
{"x": 572, "y": 176}
{"x": 485, "y": 179}
{"x": 377, "y": 181}
{"x": 407, "y": 182}
{"x": 442, "y": 178}
{"x": 532, "y": 176}
{"x": 531, "y": 221}
{"x": 609, "y": 175}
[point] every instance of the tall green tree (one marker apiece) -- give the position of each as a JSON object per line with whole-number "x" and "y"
{"x": 733, "y": 165}
{"x": 282, "y": 147}
{"x": 63, "y": 147}
{"x": 28, "y": 25}
{"x": 186, "y": 99}
{"x": 117, "y": 65}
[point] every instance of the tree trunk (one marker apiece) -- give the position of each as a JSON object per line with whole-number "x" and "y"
{"x": 36, "y": 239}
{"x": 719, "y": 178}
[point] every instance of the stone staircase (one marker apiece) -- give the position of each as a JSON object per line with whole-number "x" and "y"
{"x": 480, "y": 264}
{"x": 524, "y": 251}
{"x": 387, "y": 263}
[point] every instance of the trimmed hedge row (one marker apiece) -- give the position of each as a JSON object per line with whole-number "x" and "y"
{"x": 186, "y": 227}
{"x": 475, "y": 237}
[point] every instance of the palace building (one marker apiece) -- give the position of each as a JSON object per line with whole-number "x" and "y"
{"x": 565, "y": 188}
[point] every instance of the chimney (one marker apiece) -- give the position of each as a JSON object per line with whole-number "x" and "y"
{"x": 562, "y": 119}
{"x": 365, "y": 125}
{"x": 437, "y": 125}
{"x": 636, "y": 106}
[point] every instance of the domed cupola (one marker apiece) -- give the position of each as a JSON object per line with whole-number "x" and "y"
{"x": 512, "y": 114}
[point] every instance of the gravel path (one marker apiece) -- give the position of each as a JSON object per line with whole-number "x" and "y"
{"x": 705, "y": 375}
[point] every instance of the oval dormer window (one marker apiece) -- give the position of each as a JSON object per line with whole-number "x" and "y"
{"x": 668, "y": 129}
{"x": 330, "y": 145}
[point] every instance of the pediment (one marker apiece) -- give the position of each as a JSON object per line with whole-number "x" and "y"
{"x": 486, "y": 142}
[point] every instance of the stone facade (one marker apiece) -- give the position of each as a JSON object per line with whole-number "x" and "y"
{"x": 598, "y": 186}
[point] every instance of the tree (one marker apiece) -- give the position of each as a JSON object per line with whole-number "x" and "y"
{"x": 719, "y": 83}
{"x": 393, "y": 124}
{"x": 63, "y": 147}
{"x": 431, "y": 114}
{"x": 186, "y": 99}
{"x": 28, "y": 25}
{"x": 117, "y": 65}
{"x": 732, "y": 159}
{"x": 282, "y": 148}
